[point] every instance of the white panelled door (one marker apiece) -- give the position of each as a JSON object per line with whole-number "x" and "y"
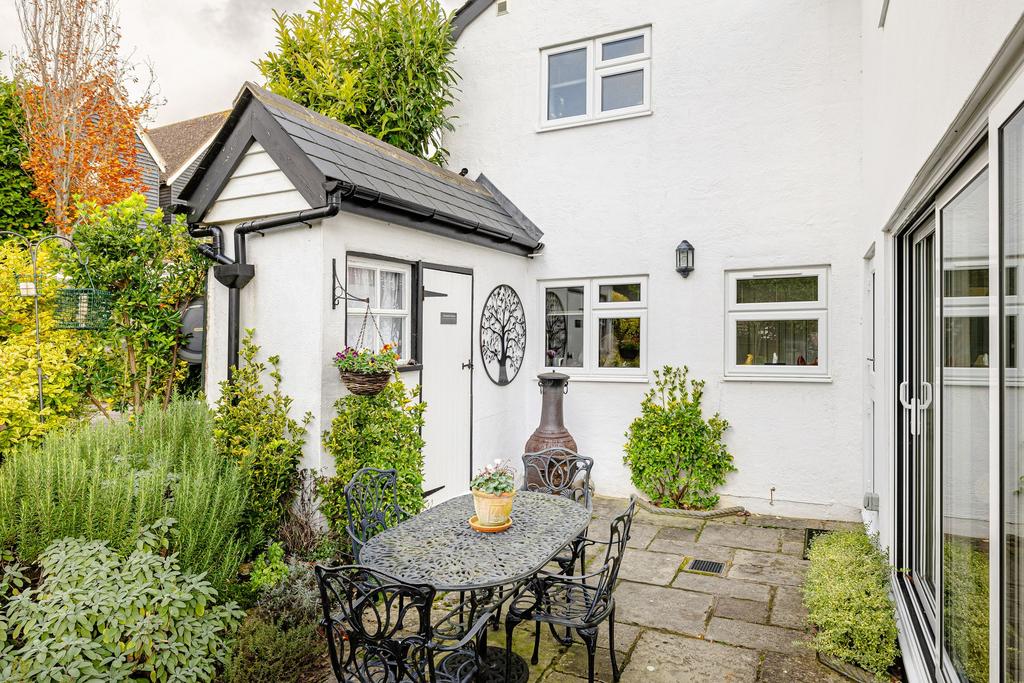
{"x": 447, "y": 382}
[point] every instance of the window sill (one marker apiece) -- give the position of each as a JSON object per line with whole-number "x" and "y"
{"x": 410, "y": 368}
{"x": 810, "y": 379}
{"x": 594, "y": 121}
{"x": 621, "y": 379}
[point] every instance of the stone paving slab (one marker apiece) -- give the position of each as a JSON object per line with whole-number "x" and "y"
{"x": 772, "y": 568}
{"x": 789, "y": 668}
{"x": 574, "y": 662}
{"x": 705, "y": 551}
{"x": 670, "y": 609}
{"x": 788, "y": 608}
{"x": 666, "y": 658}
{"x": 648, "y": 567}
{"x": 757, "y": 636}
{"x": 753, "y": 611}
{"x": 751, "y": 538}
{"x": 716, "y": 585}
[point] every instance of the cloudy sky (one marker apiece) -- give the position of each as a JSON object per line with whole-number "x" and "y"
{"x": 201, "y": 50}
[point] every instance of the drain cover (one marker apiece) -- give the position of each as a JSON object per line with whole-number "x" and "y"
{"x": 705, "y": 566}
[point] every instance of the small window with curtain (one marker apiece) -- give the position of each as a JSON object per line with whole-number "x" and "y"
{"x": 597, "y": 79}
{"x": 777, "y": 324}
{"x": 386, "y": 318}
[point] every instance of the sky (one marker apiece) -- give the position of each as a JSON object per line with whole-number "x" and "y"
{"x": 201, "y": 51}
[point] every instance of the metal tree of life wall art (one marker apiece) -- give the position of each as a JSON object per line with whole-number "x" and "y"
{"x": 503, "y": 335}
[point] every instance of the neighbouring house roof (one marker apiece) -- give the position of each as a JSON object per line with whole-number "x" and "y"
{"x": 179, "y": 142}
{"x": 465, "y": 15}
{"x": 320, "y": 156}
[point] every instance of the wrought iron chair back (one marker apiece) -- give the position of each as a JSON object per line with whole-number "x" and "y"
{"x": 366, "y": 613}
{"x": 371, "y": 501}
{"x": 560, "y": 472}
{"x": 608, "y": 574}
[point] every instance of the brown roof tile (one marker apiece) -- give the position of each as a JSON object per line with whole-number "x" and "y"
{"x": 177, "y": 142}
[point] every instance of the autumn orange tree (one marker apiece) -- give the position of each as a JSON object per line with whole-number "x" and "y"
{"x": 80, "y": 120}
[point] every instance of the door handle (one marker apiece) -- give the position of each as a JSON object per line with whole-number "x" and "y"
{"x": 926, "y": 390}
{"x": 467, "y": 365}
{"x": 903, "y": 396}
{"x": 914, "y": 408}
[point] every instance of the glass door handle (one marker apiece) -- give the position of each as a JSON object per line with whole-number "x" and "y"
{"x": 926, "y": 390}
{"x": 914, "y": 407}
{"x": 908, "y": 404}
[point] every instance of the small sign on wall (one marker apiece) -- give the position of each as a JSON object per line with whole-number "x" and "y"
{"x": 449, "y": 318}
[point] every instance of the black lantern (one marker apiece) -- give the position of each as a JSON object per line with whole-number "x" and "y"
{"x": 684, "y": 258}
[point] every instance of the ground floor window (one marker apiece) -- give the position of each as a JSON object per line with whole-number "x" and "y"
{"x": 776, "y": 323}
{"x": 596, "y": 326}
{"x": 385, "y": 318}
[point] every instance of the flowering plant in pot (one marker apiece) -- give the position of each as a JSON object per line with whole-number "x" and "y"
{"x": 493, "y": 490}
{"x": 365, "y": 371}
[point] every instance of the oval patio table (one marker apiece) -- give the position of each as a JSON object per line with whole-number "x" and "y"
{"x": 438, "y": 547}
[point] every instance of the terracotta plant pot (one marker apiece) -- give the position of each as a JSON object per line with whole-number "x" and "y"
{"x": 493, "y": 509}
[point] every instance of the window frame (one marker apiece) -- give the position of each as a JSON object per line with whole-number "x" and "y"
{"x": 406, "y": 313}
{"x": 593, "y": 312}
{"x": 597, "y": 68}
{"x": 817, "y": 310}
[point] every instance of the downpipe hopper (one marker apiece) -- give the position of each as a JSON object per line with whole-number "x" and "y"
{"x": 234, "y": 275}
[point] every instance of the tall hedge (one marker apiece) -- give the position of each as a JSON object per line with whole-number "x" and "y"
{"x": 19, "y": 211}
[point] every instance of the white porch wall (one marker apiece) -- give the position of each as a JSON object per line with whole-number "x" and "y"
{"x": 751, "y": 153}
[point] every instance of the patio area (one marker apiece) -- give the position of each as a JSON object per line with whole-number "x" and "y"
{"x": 674, "y": 625}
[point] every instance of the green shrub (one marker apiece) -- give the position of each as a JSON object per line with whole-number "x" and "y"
{"x": 847, "y": 598}
{"x": 109, "y": 482}
{"x": 98, "y": 616}
{"x": 381, "y": 66}
{"x": 19, "y": 211}
{"x": 294, "y": 600}
{"x": 380, "y": 431}
{"x": 676, "y": 457}
{"x": 265, "y": 651}
{"x": 269, "y": 569}
{"x": 253, "y": 428}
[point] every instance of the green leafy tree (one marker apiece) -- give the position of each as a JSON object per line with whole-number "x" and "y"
{"x": 676, "y": 457}
{"x": 152, "y": 270}
{"x": 19, "y": 211}
{"x": 380, "y": 431}
{"x": 381, "y": 66}
{"x": 253, "y": 427}
{"x": 62, "y": 352}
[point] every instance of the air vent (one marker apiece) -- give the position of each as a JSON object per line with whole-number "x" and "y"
{"x": 502, "y": 7}
{"x": 705, "y": 567}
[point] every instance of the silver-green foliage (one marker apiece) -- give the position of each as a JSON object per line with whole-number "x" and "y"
{"x": 847, "y": 598}
{"x": 100, "y": 616}
{"x": 109, "y": 482}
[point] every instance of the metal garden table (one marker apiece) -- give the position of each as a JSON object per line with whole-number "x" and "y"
{"x": 439, "y": 547}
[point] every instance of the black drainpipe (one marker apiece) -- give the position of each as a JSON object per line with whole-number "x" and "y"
{"x": 236, "y": 274}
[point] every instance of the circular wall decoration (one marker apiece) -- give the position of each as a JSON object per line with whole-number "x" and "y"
{"x": 503, "y": 335}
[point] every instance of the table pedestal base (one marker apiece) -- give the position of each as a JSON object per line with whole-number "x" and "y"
{"x": 494, "y": 667}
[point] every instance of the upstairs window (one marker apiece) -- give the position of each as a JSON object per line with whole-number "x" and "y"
{"x": 598, "y": 79}
{"x": 777, "y": 324}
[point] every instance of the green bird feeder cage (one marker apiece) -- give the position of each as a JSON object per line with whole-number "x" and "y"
{"x": 82, "y": 309}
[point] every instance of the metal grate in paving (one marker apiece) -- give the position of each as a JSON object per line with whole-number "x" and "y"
{"x": 705, "y": 567}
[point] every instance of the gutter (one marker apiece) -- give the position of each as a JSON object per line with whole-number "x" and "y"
{"x": 236, "y": 273}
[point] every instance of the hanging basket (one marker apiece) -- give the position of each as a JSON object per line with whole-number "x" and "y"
{"x": 82, "y": 309}
{"x": 365, "y": 384}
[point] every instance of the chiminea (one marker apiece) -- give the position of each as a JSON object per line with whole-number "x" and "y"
{"x": 551, "y": 432}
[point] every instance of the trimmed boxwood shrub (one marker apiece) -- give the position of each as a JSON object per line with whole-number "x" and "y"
{"x": 848, "y": 601}
{"x": 676, "y": 457}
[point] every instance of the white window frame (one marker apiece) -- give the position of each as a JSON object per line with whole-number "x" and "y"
{"x": 593, "y": 312}
{"x": 785, "y": 310}
{"x": 597, "y": 68}
{"x": 356, "y": 308}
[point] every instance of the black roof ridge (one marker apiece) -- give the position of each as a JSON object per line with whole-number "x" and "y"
{"x": 465, "y": 15}
{"x": 511, "y": 209}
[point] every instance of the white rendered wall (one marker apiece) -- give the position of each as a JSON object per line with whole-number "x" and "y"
{"x": 752, "y": 154}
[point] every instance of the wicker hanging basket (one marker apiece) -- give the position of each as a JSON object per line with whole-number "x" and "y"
{"x": 365, "y": 384}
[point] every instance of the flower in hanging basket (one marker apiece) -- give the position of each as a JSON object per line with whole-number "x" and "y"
{"x": 364, "y": 371}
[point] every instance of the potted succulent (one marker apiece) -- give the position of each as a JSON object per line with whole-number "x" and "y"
{"x": 493, "y": 490}
{"x": 364, "y": 371}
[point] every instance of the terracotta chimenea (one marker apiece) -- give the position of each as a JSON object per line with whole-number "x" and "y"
{"x": 551, "y": 432}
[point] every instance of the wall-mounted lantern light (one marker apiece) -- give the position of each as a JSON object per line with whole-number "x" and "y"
{"x": 684, "y": 258}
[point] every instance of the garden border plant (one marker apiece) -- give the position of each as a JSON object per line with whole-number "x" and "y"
{"x": 676, "y": 457}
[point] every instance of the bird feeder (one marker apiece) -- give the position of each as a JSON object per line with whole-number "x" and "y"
{"x": 82, "y": 309}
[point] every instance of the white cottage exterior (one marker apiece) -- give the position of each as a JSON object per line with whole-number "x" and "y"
{"x": 849, "y": 175}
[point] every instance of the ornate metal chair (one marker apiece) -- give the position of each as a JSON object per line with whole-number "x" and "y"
{"x": 579, "y": 603}
{"x": 561, "y": 472}
{"x": 366, "y": 614}
{"x": 371, "y": 500}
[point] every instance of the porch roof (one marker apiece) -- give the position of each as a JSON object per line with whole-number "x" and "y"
{"x": 321, "y": 155}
